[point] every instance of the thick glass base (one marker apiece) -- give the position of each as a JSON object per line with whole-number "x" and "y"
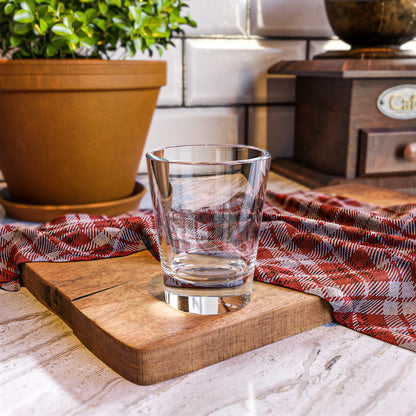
{"x": 207, "y": 285}
{"x": 206, "y": 305}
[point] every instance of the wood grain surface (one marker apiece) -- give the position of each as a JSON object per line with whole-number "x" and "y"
{"x": 315, "y": 178}
{"x": 378, "y": 196}
{"x": 116, "y": 308}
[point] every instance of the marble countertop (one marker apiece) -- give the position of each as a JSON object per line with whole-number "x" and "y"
{"x": 329, "y": 370}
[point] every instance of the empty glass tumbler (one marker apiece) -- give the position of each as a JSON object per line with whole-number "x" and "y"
{"x": 208, "y": 202}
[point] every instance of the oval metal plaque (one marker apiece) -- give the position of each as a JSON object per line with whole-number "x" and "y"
{"x": 398, "y": 102}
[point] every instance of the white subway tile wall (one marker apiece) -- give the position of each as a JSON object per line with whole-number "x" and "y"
{"x": 197, "y": 125}
{"x": 218, "y": 90}
{"x": 321, "y": 46}
{"x": 172, "y": 93}
{"x": 295, "y": 18}
{"x": 218, "y": 17}
{"x": 233, "y": 71}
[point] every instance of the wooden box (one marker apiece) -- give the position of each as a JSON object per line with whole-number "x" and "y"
{"x": 340, "y": 129}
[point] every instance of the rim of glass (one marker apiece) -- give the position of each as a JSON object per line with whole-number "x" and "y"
{"x": 264, "y": 154}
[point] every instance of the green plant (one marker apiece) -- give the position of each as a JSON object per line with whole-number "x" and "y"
{"x": 88, "y": 28}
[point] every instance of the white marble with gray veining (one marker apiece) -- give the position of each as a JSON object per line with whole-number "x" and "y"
{"x": 329, "y": 370}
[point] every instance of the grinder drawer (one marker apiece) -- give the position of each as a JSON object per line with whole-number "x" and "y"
{"x": 387, "y": 151}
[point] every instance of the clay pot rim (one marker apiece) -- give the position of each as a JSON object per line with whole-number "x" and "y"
{"x": 71, "y": 74}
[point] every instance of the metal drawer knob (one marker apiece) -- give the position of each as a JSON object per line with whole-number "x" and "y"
{"x": 409, "y": 152}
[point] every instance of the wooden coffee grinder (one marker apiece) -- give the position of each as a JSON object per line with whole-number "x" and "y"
{"x": 355, "y": 117}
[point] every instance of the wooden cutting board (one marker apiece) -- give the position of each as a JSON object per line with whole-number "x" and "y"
{"x": 116, "y": 308}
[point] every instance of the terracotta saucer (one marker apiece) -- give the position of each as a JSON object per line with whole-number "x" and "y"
{"x": 45, "y": 213}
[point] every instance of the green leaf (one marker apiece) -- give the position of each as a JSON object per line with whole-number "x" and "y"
{"x": 61, "y": 30}
{"x": 43, "y": 25}
{"x": 131, "y": 49}
{"x": 100, "y": 23}
{"x": 67, "y": 21}
{"x": 114, "y": 2}
{"x": 8, "y": 9}
{"x": 51, "y": 50}
{"x": 136, "y": 13}
{"x": 24, "y": 16}
{"x": 21, "y": 28}
{"x": 73, "y": 39}
{"x": 41, "y": 11}
{"x": 15, "y": 40}
{"x": 119, "y": 22}
{"x": 90, "y": 14}
{"x": 103, "y": 6}
{"x": 57, "y": 28}
{"x": 50, "y": 21}
{"x": 148, "y": 9}
{"x": 28, "y": 5}
{"x": 88, "y": 30}
{"x": 58, "y": 41}
{"x": 191, "y": 22}
{"x": 80, "y": 16}
{"x": 87, "y": 42}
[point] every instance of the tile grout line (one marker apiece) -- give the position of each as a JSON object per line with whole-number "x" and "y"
{"x": 183, "y": 40}
{"x": 248, "y": 20}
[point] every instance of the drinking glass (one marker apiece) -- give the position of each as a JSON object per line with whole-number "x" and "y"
{"x": 208, "y": 202}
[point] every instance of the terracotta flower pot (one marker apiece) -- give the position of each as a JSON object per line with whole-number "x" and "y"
{"x": 73, "y": 131}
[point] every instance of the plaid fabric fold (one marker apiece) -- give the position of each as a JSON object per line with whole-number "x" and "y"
{"x": 73, "y": 237}
{"x": 359, "y": 258}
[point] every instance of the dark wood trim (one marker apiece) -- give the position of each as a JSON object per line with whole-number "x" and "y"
{"x": 313, "y": 178}
{"x": 348, "y": 68}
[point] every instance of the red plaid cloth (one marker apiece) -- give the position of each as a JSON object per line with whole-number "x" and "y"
{"x": 360, "y": 259}
{"x": 73, "y": 237}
